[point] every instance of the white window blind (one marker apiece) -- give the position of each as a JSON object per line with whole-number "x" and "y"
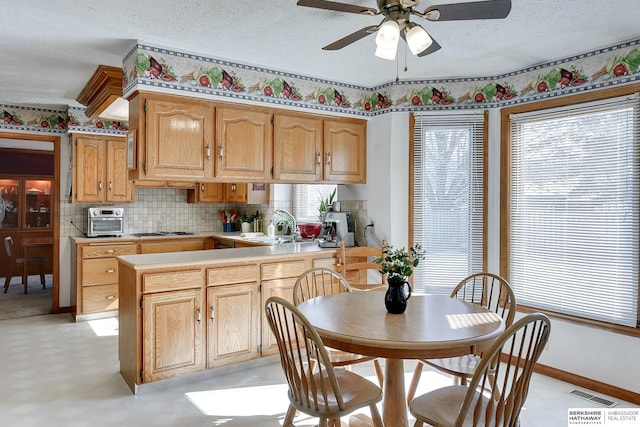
{"x": 574, "y": 210}
{"x": 307, "y": 197}
{"x": 448, "y": 202}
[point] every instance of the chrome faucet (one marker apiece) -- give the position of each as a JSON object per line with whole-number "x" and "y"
{"x": 296, "y": 231}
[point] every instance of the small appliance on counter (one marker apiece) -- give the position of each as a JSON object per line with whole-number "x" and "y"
{"x": 335, "y": 227}
{"x": 105, "y": 222}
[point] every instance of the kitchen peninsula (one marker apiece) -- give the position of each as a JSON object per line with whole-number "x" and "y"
{"x": 184, "y": 312}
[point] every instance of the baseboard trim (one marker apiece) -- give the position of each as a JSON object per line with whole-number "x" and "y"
{"x": 588, "y": 383}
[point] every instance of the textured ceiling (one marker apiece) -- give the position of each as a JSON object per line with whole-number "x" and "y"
{"x": 50, "y": 49}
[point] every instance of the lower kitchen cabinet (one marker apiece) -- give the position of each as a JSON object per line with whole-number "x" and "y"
{"x": 233, "y": 324}
{"x": 173, "y": 342}
{"x": 165, "y": 331}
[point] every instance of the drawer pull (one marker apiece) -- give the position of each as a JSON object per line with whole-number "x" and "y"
{"x": 110, "y": 271}
{"x": 110, "y": 297}
{"x": 109, "y": 251}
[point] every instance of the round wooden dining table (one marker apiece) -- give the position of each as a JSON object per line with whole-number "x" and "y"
{"x": 433, "y": 326}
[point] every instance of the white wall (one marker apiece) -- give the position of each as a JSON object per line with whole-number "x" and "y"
{"x": 590, "y": 352}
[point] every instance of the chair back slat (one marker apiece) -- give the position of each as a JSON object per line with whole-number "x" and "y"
{"x": 490, "y": 291}
{"x": 500, "y": 385}
{"x": 318, "y": 281}
{"x": 358, "y": 266}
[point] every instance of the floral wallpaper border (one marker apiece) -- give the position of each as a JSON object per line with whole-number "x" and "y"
{"x": 161, "y": 69}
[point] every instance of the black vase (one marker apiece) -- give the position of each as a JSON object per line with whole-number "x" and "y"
{"x": 397, "y": 295}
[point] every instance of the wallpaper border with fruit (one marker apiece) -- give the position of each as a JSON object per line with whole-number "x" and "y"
{"x": 160, "y": 69}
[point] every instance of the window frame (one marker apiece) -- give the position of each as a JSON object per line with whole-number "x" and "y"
{"x": 485, "y": 183}
{"x": 505, "y": 189}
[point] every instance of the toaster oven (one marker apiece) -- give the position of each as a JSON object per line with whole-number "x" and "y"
{"x": 105, "y": 221}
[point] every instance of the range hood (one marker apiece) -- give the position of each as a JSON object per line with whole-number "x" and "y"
{"x": 102, "y": 95}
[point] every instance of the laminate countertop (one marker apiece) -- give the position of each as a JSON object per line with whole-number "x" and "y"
{"x": 240, "y": 255}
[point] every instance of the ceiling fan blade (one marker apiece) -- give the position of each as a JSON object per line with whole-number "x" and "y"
{"x": 340, "y": 7}
{"x": 490, "y": 9}
{"x": 353, "y": 37}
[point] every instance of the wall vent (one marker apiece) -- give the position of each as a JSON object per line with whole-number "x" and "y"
{"x": 593, "y": 398}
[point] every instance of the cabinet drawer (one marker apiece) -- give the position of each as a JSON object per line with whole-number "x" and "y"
{"x": 279, "y": 270}
{"x": 99, "y": 271}
{"x": 99, "y": 251}
{"x": 155, "y": 282}
{"x": 177, "y": 246}
{"x": 229, "y": 275}
{"x": 99, "y": 298}
{"x": 326, "y": 263}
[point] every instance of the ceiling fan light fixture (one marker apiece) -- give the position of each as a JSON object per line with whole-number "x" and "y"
{"x": 388, "y": 34}
{"x": 417, "y": 38}
{"x": 387, "y": 52}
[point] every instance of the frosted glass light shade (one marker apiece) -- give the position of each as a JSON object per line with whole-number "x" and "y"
{"x": 387, "y": 52}
{"x": 388, "y": 34}
{"x": 418, "y": 39}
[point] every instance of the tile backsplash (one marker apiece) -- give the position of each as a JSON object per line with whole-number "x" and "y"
{"x": 166, "y": 209}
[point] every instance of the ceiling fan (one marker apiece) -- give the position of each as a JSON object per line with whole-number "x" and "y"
{"x": 396, "y": 23}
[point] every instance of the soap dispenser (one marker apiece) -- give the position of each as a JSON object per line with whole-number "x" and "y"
{"x": 271, "y": 230}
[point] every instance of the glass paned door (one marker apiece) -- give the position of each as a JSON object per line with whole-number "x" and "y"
{"x": 10, "y": 192}
{"x": 38, "y": 203}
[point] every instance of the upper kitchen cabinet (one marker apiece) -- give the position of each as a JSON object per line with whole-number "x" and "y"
{"x": 244, "y": 136}
{"x": 100, "y": 170}
{"x": 298, "y": 148}
{"x": 173, "y": 138}
{"x": 345, "y": 143}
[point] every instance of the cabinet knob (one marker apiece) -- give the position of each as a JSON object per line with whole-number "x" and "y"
{"x": 208, "y": 151}
{"x": 211, "y": 316}
{"x": 220, "y": 151}
{"x": 202, "y": 187}
{"x": 100, "y": 186}
{"x": 328, "y": 157}
{"x": 109, "y": 251}
{"x": 318, "y": 158}
{"x": 110, "y": 271}
{"x": 110, "y": 186}
{"x": 110, "y": 297}
{"x": 198, "y": 316}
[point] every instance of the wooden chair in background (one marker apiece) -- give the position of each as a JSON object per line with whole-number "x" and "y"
{"x": 497, "y": 391}
{"x": 357, "y": 266}
{"x": 324, "y": 281}
{"x": 315, "y": 387}
{"x": 14, "y": 261}
{"x": 488, "y": 290}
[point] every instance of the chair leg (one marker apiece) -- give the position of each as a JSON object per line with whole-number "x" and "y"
{"x": 42, "y": 275}
{"x": 379, "y": 371}
{"x": 375, "y": 416}
{"x": 324, "y": 422}
{"x": 7, "y": 280}
{"x": 418, "y": 423}
{"x": 414, "y": 382}
{"x": 288, "y": 419}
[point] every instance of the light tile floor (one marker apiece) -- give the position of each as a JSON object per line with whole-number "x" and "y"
{"x": 55, "y": 372}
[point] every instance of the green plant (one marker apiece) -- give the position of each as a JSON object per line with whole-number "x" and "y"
{"x": 398, "y": 264}
{"x": 326, "y": 202}
{"x": 246, "y": 217}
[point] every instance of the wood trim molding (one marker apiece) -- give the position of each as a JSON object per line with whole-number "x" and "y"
{"x": 102, "y": 89}
{"x": 588, "y": 383}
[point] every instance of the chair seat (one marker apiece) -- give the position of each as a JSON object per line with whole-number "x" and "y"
{"x": 440, "y": 407}
{"x": 32, "y": 259}
{"x": 461, "y": 366}
{"x": 357, "y": 392}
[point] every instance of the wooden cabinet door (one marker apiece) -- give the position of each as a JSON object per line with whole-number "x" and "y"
{"x": 244, "y": 138}
{"x": 297, "y": 146}
{"x": 233, "y": 324}
{"x": 172, "y": 334}
{"x": 345, "y": 152}
{"x": 89, "y": 169}
{"x": 117, "y": 180}
{"x": 179, "y": 138}
{"x": 235, "y": 193}
{"x": 274, "y": 288}
{"x": 211, "y": 192}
